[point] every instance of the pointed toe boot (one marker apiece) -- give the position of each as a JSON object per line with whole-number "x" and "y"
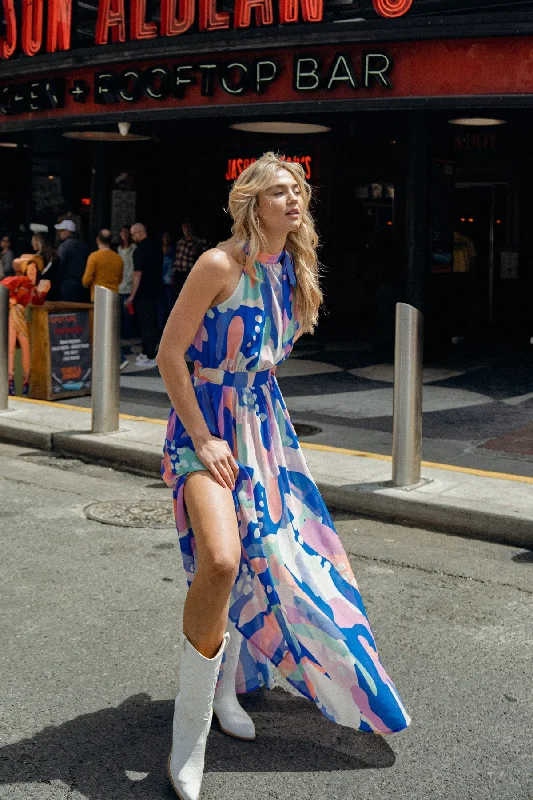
{"x": 231, "y": 716}
{"x": 193, "y": 711}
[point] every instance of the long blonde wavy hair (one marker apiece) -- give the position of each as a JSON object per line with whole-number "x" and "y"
{"x": 301, "y": 244}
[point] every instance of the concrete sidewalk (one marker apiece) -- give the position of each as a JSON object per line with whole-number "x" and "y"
{"x": 491, "y": 506}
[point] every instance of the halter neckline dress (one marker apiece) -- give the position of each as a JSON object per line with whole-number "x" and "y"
{"x": 295, "y": 600}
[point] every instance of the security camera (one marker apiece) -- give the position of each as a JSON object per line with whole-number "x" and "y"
{"x": 124, "y": 128}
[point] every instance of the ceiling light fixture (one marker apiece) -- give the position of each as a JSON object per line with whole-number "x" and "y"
{"x": 105, "y": 136}
{"x": 280, "y": 127}
{"x": 477, "y": 122}
{"x": 11, "y": 144}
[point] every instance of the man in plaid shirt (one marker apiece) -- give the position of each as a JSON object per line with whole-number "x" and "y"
{"x": 188, "y": 251}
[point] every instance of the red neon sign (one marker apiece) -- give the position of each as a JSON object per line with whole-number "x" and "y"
{"x": 172, "y": 26}
{"x": 59, "y": 25}
{"x": 32, "y": 26}
{"x": 111, "y": 16}
{"x": 8, "y": 42}
{"x": 238, "y": 165}
{"x": 139, "y": 28}
{"x": 209, "y": 19}
{"x": 264, "y": 13}
{"x": 392, "y": 8}
{"x": 312, "y": 10}
{"x": 177, "y": 17}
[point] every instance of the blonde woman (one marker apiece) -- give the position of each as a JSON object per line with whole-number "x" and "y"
{"x": 257, "y": 540}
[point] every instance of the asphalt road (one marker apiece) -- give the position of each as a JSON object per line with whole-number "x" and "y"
{"x": 90, "y": 621}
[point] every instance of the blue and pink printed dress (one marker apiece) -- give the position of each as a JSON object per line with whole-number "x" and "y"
{"x": 295, "y": 599}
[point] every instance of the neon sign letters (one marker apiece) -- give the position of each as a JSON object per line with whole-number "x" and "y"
{"x": 47, "y": 24}
{"x": 171, "y": 83}
{"x": 237, "y": 165}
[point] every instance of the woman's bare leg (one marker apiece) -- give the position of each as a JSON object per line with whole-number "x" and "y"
{"x": 218, "y": 546}
{"x": 24, "y": 343}
{"x": 11, "y": 344}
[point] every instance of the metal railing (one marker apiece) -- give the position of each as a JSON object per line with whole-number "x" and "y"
{"x": 4, "y": 317}
{"x": 407, "y": 408}
{"x": 106, "y": 361}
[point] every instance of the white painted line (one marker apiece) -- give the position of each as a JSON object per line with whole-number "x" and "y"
{"x": 521, "y": 398}
{"x": 378, "y": 402}
{"x": 385, "y": 373}
{"x": 147, "y": 384}
{"x": 303, "y": 367}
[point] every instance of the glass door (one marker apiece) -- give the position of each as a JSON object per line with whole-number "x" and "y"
{"x": 480, "y": 259}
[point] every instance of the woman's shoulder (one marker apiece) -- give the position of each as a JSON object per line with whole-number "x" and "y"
{"x": 217, "y": 270}
{"x": 223, "y": 259}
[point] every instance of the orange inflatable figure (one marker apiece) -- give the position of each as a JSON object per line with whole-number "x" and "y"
{"x": 23, "y": 291}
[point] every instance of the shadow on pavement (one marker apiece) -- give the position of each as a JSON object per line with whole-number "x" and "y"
{"x": 94, "y": 752}
{"x": 524, "y": 558}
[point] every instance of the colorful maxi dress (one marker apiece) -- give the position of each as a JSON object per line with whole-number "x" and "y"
{"x": 295, "y": 599}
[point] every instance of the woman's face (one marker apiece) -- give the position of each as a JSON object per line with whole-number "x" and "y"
{"x": 124, "y": 235}
{"x": 31, "y": 273}
{"x": 35, "y": 243}
{"x": 280, "y": 207}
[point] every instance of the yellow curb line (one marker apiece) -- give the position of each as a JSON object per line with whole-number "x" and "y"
{"x": 51, "y": 403}
{"x": 326, "y": 448}
{"x": 55, "y": 404}
{"x": 430, "y": 464}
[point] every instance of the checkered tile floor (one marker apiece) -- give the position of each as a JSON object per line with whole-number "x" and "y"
{"x": 478, "y": 411}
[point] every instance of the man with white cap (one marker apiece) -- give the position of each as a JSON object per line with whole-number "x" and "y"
{"x": 72, "y": 259}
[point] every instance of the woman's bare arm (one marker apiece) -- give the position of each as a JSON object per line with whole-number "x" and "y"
{"x": 208, "y": 278}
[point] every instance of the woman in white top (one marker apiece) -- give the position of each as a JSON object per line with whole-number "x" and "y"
{"x": 125, "y": 251}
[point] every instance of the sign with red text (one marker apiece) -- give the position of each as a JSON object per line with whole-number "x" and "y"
{"x": 70, "y": 352}
{"x": 425, "y": 69}
{"x": 237, "y": 165}
{"x": 33, "y": 27}
{"x": 233, "y": 80}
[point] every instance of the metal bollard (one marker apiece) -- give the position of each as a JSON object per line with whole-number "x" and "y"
{"x": 4, "y": 316}
{"x": 407, "y": 410}
{"x": 106, "y": 361}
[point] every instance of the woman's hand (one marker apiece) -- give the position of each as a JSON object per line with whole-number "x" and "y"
{"x": 217, "y": 457}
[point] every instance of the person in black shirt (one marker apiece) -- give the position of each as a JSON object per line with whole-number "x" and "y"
{"x": 73, "y": 255}
{"x": 6, "y": 257}
{"x": 145, "y": 291}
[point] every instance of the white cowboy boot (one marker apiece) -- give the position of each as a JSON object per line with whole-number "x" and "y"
{"x": 193, "y": 711}
{"x": 232, "y": 718}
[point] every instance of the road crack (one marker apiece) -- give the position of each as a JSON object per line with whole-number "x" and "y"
{"x": 391, "y": 562}
{"x": 26, "y": 482}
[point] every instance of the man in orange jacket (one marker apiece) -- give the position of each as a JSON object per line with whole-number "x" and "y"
{"x": 104, "y": 266}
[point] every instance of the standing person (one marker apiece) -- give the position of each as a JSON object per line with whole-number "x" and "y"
{"x": 188, "y": 250}
{"x": 41, "y": 250}
{"x": 145, "y": 291}
{"x": 126, "y": 249}
{"x": 104, "y": 266}
{"x": 257, "y": 541}
{"x": 51, "y": 266}
{"x": 72, "y": 260}
{"x": 168, "y": 296}
{"x": 6, "y": 257}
